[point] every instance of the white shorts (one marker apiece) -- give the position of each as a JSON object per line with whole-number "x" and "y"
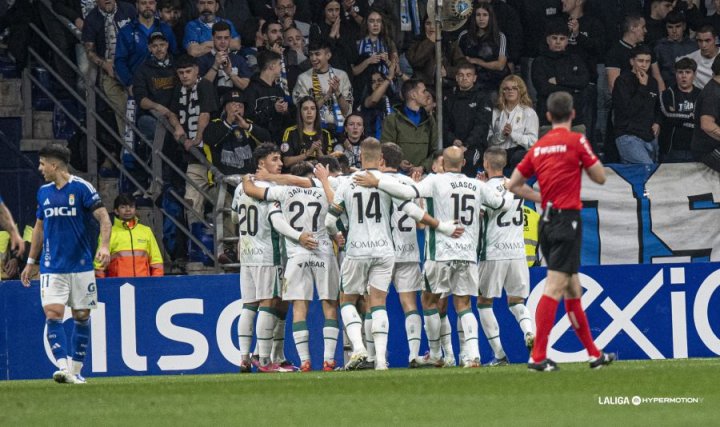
{"x": 358, "y": 274}
{"x": 511, "y": 274}
{"x": 407, "y": 277}
{"x": 76, "y": 290}
{"x": 259, "y": 282}
{"x": 457, "y": 277}
{"x": 304, "y": 270}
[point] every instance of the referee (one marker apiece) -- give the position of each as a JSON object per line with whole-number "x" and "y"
{"x": 557, "y": 160}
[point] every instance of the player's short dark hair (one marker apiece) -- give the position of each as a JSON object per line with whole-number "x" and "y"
{"x": 57, "y": 152}
{"x": 343, "y": 162}
{"x": 265, "y": 27}
{"x": 185, "y": 61}
{"x": 675, "y": 17}
{"x": 220, "y": 26}
{"x": 302, "y": 169}
{"x": 715, "y": 67}
{"x": 330, "y": 162}
{"x": 266, "y": 57}
{"x": 370, "y": 149}
{"x": 392, "y": 153}
{"x": 685, "y": 64}
{"x": 560, "y": 106}
{"x": 707, "y": 29}
{"x": 409, "y": 86}
{"x": 630, "y": 21}
{"x": 496, "y": 156}
{"x": 437, "y": 154}
{"x": 263, "y": 150}
{"x": 123, "y": 199}
{"x": 641, "y": 49}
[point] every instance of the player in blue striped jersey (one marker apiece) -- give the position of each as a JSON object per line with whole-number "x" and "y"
{"x": 65, "y": 231}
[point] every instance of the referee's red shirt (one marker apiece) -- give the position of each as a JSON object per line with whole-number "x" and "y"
{"x": 557, "y": 160}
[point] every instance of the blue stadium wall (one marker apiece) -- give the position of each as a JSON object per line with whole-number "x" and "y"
{"x": 187, "y": 325}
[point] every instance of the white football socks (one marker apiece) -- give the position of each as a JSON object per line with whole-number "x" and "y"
{"x": 413, "y": 329}
{"x": 380, "y": 328}
{"x": 353, "y": 326}
{"x": 432, "y": 330}
{"x": 523, "y": 317}
{"x": 491, "y": 328}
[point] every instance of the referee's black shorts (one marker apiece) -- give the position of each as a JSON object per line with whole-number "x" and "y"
{"x": 561, "y": 239}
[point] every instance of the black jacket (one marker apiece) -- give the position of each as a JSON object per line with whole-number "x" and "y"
{"x": 571, "y": 74}
{"x": 155, "y": 82}
{"x": 636, "y": 107}
{"x": 260, "y": 100}
{"x": 232, "y": 147}
{"x": 467, "y": 116}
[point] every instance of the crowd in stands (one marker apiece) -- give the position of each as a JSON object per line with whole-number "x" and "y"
{"x": 317, "y": 76}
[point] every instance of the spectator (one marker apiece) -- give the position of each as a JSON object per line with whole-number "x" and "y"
{"x": 376, "y": 51}
{"x": 265, "y": 99}
{"x": 514, "y": 122}
{"x": 13, "y": 261}
{"x": 705, "y": 55}
{"x": 677, "y": 105}
{"x": 134, "y": 252}
{"x": 509, "y": 23}
{"x": 272, "y": 40}
{"x": 75, "y": 11}
{"x": 296, "y": 55}
{"x": 411, "y": 127}
{"x": 63, "y": 39}
{"x": 132, "y": 42}
{"x": 170, "y": 12}
{"x": 587, "y": 39}
{"x": 330, "y": 87}
{"x": 153, "y": 87}
{"x": 467, "y": 118}
{"x": 618, "y": 57}
{"x": 377, "y": 104}
{"x": 232, "y": 138}
{"x": 349, "y": 142}
{"x": 198, "y": 32}
{"x": 483, "y": 45}
{"x": 100, "y": 33}
{"x": 655, "y": 20}
{"x": 306, "y": 140}
{"x": 331, "y": 29}
{"x": 673, "y": 46}
{"x": 557, "y": 70}
{"x": 637, "y": 112}
{"x": 285, "y": 13}
{"x": 421, "y": 56}
{"x": 706, "y": 136}
{"x": 225, "y": 69}
{"x": 193, "y": 102}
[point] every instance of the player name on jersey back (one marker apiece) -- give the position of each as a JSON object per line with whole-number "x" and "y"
{"x": 305, "y": 210}
{"x": 369, "y": 214}
{"x": 259, "y": 242}
{"x": 502, "y": 236}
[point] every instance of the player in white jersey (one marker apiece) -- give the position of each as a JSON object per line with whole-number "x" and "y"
{"x": 67, "y": 206}
{"x": 451, "y": 264}
{"x": 502, "y": 263}
{"x": 260, "y": 224}
{"x": 370, "y": 254}
{"x": 305, "y": 210}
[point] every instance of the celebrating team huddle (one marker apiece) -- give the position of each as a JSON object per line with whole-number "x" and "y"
{"x": 371, "y": 217}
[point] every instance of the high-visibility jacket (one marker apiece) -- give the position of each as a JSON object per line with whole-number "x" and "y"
{"x": 134, "y": 252}
{"x": 531, "y": 220}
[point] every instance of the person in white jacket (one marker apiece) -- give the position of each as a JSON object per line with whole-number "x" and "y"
{"x": 514, "y": 122}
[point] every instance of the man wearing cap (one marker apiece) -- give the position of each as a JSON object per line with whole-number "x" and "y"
{"x": 153, "y": 86}
{"x": 132, "y": 41}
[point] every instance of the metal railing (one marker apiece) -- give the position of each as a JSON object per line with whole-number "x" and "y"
{"x": 157, "y": 157}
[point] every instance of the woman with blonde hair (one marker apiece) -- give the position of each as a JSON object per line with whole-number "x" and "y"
{"x": 514, "y": 122}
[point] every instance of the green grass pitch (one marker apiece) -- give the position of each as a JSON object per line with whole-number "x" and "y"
{"x": 504, "y": 396}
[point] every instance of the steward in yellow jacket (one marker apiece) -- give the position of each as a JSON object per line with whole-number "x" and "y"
{"x": 134, "y": 252}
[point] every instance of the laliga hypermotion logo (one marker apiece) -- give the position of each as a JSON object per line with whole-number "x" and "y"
{"x": 622, "y": 318}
